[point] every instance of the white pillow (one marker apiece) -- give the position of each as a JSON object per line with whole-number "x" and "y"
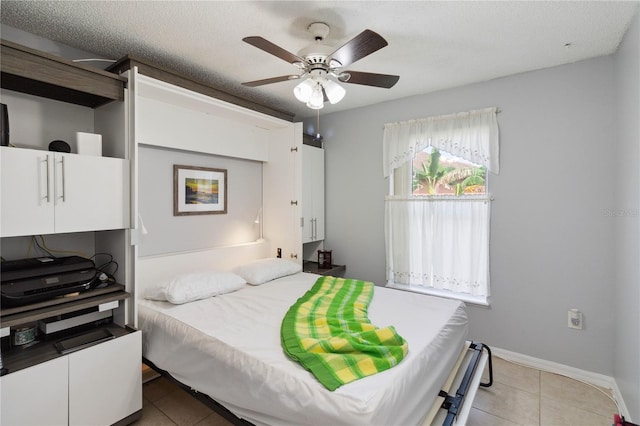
{"x": 264, "y": 270}
{"x": 195, "y": 286}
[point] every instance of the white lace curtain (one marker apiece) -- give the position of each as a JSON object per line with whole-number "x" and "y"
{"x": 472, "y": 135}
{"x": 440, "y": 242}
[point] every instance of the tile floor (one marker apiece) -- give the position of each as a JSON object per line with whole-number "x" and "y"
{"x": 519, "y": 396}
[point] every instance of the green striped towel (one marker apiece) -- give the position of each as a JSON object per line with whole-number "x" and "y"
{"x": 327, "y": 331}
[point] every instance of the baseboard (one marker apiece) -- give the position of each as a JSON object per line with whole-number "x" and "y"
{"x": 620, "y": 400}
{"x": 568, "y": 371}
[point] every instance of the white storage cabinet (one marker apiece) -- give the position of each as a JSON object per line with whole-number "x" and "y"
{"x": 45, "y": 192}
{"x": 99, "y": 385}
{"x": 36, "y": 395}
{"x": 312, "y": 194}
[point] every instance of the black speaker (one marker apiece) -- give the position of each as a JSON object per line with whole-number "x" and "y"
{"x": 4, "y": 125}
{"x": 59, "y": 146}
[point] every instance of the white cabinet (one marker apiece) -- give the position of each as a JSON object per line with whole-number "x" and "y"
{"x": 44, "y": 192}
{"x": 282, "y": 192}
{"x": 105, "y": 381}
{"x": 36, "y": 395}
{"x": 99, "y": 385}
{"x": 312, "y": 194}
{"x": 26, "y": 192}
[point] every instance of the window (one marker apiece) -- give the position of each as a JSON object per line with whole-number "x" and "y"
{"x": 438, "y": 172}
{"x": 437, "y": 213}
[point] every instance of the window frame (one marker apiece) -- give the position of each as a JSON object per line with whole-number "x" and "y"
{"x": 483, "y": 301}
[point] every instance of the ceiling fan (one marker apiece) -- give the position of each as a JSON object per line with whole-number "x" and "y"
{"x": 323, "y": 65}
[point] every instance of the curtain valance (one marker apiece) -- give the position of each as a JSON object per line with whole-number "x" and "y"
{"x": 472, "y": 135}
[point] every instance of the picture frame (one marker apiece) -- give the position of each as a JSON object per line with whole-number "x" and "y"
{"x": 199, "y": 190}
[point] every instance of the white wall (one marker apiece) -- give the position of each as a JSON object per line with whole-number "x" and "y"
{"x": 626, "y": 310}
{"x": 551, "y": 243}
{"x": 34, "y": 122}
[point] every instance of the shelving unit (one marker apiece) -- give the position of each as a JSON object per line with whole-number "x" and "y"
{"x": 19, "y": 358}
{"x": 95, "y": 377}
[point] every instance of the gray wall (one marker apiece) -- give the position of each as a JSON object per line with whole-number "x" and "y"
{"x": 626, "y": 359}
{"x": 169, "y": 233}
{"x": 552, "y": 244}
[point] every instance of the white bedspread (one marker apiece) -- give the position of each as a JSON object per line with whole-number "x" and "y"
{"x": 228, "y": 347}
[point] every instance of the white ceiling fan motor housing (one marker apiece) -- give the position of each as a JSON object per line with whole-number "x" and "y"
{"x": 320, "y": 30}
{"x": 317, "y": 53}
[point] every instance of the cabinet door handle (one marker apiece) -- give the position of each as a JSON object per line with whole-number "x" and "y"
{"x": 311, "y": 228}
{"x": 47, "y": 170}
{"x": 64, "y": 192}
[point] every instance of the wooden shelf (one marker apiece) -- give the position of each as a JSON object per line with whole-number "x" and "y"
{"x": 12, "y": 317}
{"x": 37, "y": 73}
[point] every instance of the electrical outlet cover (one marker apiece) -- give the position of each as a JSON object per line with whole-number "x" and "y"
{"x": 574, "y": 319}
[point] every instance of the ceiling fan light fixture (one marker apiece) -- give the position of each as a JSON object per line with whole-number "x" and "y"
{"x": 317, "y": 98}
{"x": 304, "y": 90}
{"x": 315, "y": 106}
{"x": 334, "y": 91}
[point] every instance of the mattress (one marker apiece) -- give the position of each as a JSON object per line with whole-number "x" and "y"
{"x": 228, "y": 347}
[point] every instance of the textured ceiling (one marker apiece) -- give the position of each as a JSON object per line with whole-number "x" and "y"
{"x": 432, "y": 45}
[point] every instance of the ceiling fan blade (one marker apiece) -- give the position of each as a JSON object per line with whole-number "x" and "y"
{"x": 371, "y": 79}
{"x": 358, "y": 47}
{"x": 270, "y": 80}
{"x": 269, "y": 47}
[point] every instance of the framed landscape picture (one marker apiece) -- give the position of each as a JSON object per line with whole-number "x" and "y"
{"x": 199, "y": 190}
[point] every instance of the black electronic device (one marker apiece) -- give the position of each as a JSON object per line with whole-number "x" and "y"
{"x": 33, "y": 280}
{"x": 83, "y": 340}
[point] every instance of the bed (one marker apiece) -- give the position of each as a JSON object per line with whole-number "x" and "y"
{"x": 228, "y": 348}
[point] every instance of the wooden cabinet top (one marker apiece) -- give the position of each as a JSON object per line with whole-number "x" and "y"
{"x": 169, "y": 76}
{"x": 42, "y": 74}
